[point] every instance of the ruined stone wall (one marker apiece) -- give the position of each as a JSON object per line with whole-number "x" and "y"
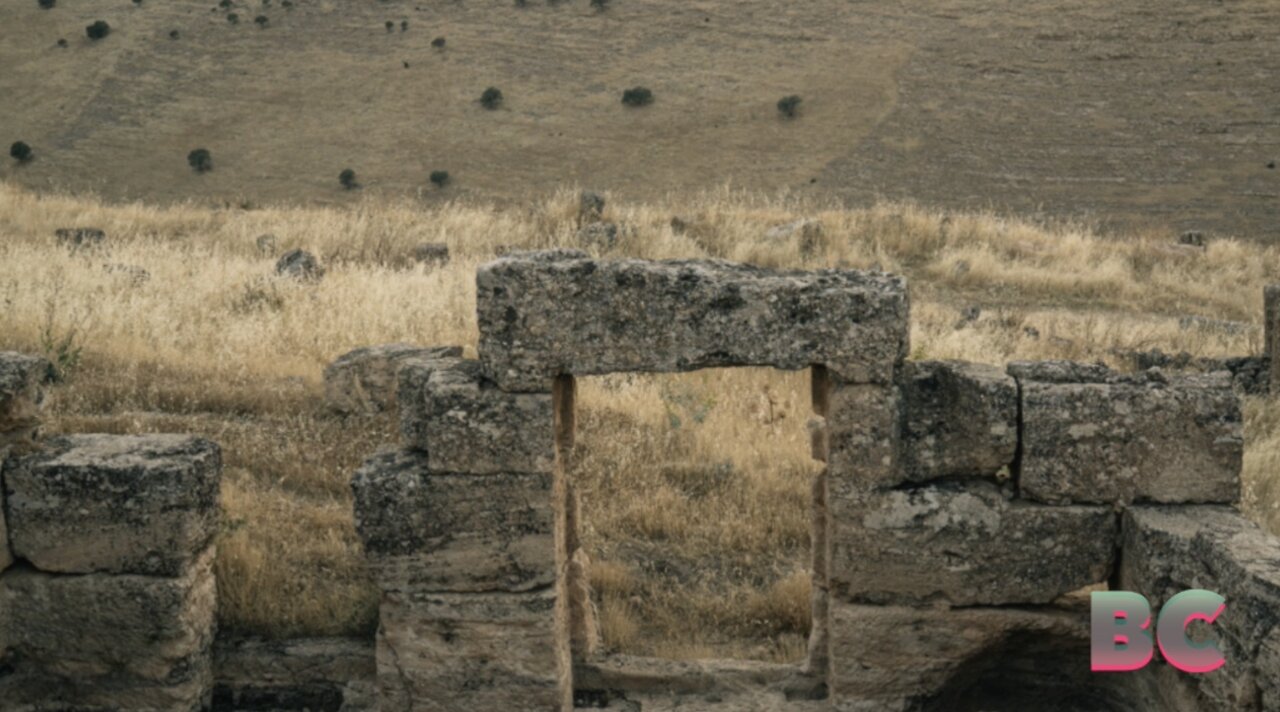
{"x": 107, "y": 593}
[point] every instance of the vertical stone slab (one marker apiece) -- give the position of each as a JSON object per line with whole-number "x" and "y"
{"x": 959, "y": 419}
{"x": 863, "y": 435}
{"x": 22, "y": 380}
{"x": 819, "y": 652}
{"x": 1271, "y": 329}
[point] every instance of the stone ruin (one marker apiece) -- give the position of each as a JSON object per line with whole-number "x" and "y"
{"x": 963, "y": 514}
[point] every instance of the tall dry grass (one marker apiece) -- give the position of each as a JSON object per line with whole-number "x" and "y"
{"x": 694, "y": 485}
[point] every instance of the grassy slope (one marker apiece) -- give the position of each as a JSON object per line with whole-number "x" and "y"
{"x": 694, "y": 485}
{"x": 1126, "y": 112}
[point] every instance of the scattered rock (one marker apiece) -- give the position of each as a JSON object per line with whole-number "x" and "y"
{"x": 1031, "y": 332}
{"x": 807, "y": 232}
{"x": 600, "y": 236}
{"x": 133, "y": 273}
{"x": 590, "y": 207}
{"x": 300, "y": 265}
{"x": 968, "y": 315}
{"x": 78, "y": 238}
{"x": 432, "y": 254}
{"x": 266, "y": 244}
{"x": 1193, "y": 238}
{"x": 1221, "y": 326}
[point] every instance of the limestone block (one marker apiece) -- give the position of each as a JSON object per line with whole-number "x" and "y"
{"x": 109, "y": 642}
{"x": 552, "y": 313}
{"x": 965, "y": 545}
{"x": 863, "y": 435}
{"x": 22, "y": 380}
{"x": 959, "y": 419}
{"x": 437, "y": 532}
{"x": 899, "y": 658}
{"x": 1149, "y": 437}
{"x": 1168, "y": 550}
{"x": 468, "y": 652}
{"x": 365, "y": 380}
{"x": 144, "y": 504}
{"x": 467, "y": 425}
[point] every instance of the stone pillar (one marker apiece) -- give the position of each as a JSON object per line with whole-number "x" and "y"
{"x": 465, "y": 532}
{"x": 112, "y": 603}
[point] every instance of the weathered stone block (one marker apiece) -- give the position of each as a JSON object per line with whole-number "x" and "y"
{"x": 365, "y": 380}
{"x": 468, "y": 652}
{"x": 22, "y": 380}
{"x": 898, "y": 659}
{"x": 432, "y": 531}
{"x": 1171, "y": 549}
{"x": 107, "y": 642}
{"x": 6, "y": 555}
{"x": 546, "y": 314}
{"x": 959, "y": 419}
{"x": 467, "y": 425}
{"x": 965, "y": 545}
{"x": 863, "y": 436}
{"x": 1148, "y": 437}
{"x": 142, "y": 504}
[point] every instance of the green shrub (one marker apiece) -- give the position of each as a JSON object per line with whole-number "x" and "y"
{"x": 491, "y": 98}
{"x": 47, "y": 4}
{"x": 20, "y": 152}
{"x": 200, "y": 160}
{"x": 439, "y": 178}
{"x": 347, "y": 178}
{"x": 788, "y": 105}
{"x": 98, "y": 30}
{"x": 637, "y": 96}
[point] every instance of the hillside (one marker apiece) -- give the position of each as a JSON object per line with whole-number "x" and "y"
{"x": 1126, "y": 114}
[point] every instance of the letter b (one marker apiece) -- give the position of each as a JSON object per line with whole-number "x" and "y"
{"x": 1120, "y": 637}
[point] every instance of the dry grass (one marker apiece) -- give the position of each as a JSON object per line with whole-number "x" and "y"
{"x": 693, "y": 485}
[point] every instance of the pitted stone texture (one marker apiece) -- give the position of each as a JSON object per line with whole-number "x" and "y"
{"x": 143, "y": 504}
{"x": 1168, "y": 550}
{"x": 317, "y": 674}
{"x": 862, "y": 433}
{"x": 959, "y": 419}
{"x": 467, "y": 425}
{"x": 1148, "y": 437}
{"x": 469, "y": 652}
{"x": 912, "y": 659}
{"x": 965, "y": 545}
{"x": 439, "y": 532}
{"x": 365, "y": 380}
{"x": 107, "y": 642}
{"x": 542, "y": 315}
{"x": 6, "y": 555}
{"x": 22, "y": 380}
{"x": 1059, "y": 371}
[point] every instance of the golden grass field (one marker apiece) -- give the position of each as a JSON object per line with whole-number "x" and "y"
{"x": 694, "y": 486}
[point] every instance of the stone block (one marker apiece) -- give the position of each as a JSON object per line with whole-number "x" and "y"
{"x": 863, "y": 438}
{"x": 439, "y": 532}
{"x": 22, "y": 380}
{"x": 107, "y": 642}
{"x": 144, "y": 504}
{"x": 1145, "y": 438}
{"x": 1168, "y": 550}
{"x": 467, "y": 425}
{"x": 553, "y": 313}
{"x": 365, "y": 380}
{"x": 468, "y": 652}
{"x": 965, "y": 545}
{"x": 896, "y": 658}
{"x": 959, "y": 419}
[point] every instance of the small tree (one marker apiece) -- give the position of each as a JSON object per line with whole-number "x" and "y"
{"x": 788, "y": 105}
{"x": 391, "y": 26}
{"x": 200, "y": 160}
{"x": 98, "y": 30}
{"x": 47, "y": 4}
{"x": 439, "y": 178}
{"x": 599, "y": 4}
{"x": 637, "y": 96}
{"x": 233, "y": 19}
{"x": 261, "y": 20}
{"x": 21, "y": 152}
{"x": 491, "y": 98}
{"x": 438, "y": 43}
{"x": 347, "y": 178}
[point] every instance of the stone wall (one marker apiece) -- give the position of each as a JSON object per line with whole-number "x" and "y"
{"x": 107, "y": 594}
{"x": 963, "y": 514}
